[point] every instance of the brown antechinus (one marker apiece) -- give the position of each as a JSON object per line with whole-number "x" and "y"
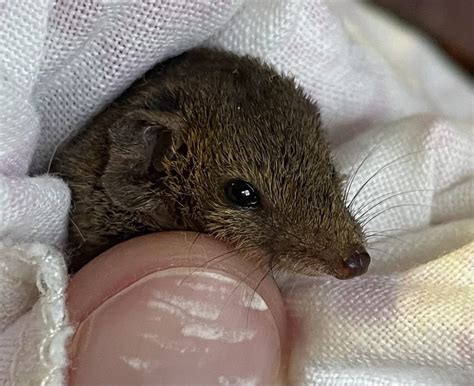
{"x": 217, "y": 143}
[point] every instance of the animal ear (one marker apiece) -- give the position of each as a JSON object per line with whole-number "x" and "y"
{"x": 138, "y": 145}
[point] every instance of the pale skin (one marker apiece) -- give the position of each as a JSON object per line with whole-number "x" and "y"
{"x": 175, "y": 308}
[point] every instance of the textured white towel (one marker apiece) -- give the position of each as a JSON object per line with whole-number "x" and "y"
{"x": 61, "y": 62}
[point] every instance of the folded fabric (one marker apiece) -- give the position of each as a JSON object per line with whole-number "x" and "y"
{"x": 413, "y": 327}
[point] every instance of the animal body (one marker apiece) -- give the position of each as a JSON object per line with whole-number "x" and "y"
{"x": 217, "y": 143}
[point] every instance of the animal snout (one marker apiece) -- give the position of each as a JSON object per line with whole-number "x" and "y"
{"x": 356, "y": 264}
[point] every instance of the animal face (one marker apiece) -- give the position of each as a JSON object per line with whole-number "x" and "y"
{"x": 253, "y": 169}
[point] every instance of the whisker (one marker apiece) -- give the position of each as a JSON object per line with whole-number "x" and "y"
{"x": 385, "y": 200}
{"x": 194, "y": 242}
{"x": 392, "y": 237}
{"x": 383, "y": 251}
{"x": 385, "y": 167}
{"x": 77, "y": 229}
{"x": 213, "y": 260}
{"x": 391, "y": 195}
{"x": 253, "y": 294}
{"x": 353, "y": 175}
{"x": 259, "y": 266}
{"x": 367, "y": 221}
{"x": 391, "y": 230}
{"x": 51, "y": 159}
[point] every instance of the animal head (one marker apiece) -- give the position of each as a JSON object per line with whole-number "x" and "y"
{"x": 223, "y": 144}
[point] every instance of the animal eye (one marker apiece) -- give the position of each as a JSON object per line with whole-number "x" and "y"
{"x": 241, "y": 193}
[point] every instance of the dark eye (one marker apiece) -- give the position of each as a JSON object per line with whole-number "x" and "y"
{"x": 241, "y": 193}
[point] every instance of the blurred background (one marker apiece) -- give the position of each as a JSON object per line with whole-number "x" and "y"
{"x": 449, "y": 22}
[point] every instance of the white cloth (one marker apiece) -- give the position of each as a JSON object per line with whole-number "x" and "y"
{"x": 61, "y": 62}
{"x": 33, "y": 324}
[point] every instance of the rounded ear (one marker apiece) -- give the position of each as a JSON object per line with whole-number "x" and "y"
{"x": 138, "y": 144}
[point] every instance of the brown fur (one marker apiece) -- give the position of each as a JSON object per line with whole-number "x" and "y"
{"x": 158, "y": 157}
